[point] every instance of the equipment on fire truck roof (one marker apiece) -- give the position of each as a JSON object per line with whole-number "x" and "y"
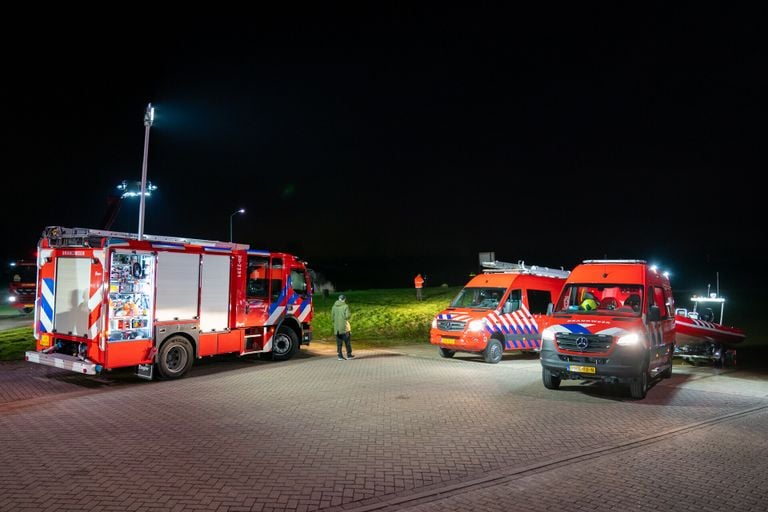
{"x": 64, "y": 237}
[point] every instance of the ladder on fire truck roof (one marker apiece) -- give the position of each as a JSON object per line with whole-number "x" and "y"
{"x": 84, "y": 237}
{"x": 520, "y": 268}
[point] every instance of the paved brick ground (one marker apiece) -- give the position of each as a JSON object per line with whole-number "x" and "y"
{"x": 316, "y": 433}
{"x": 720, "y": 467}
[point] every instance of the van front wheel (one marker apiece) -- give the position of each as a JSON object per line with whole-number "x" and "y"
{"x": 493, "y": 351}
{"x": 444, "y": 352}
{"x": 639, "y": 386}
{"x": 550, "y": 381}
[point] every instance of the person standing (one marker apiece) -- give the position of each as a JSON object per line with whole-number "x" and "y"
{"x": 418, "y": 282}
{"x": 340, "y": 315}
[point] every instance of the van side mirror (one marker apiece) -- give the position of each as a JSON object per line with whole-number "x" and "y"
{"x": 654, "y": 314}
{"x": 550, "y": 308}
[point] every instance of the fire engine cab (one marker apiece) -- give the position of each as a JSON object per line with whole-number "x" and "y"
{"x": 108, "y": 300}
{"x": 21, "y": 285}
{"x": 614, "y": 322}
{"x": 497, "y": 310}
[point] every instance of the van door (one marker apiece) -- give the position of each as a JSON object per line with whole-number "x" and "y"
{"x": 660, "y": 332}
{"x": 537, "y": 303}
{"x": 519, "y": 332}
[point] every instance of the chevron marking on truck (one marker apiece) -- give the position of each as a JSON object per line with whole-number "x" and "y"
{"x": 46, "y": 306}
{"x": 304, "y": 310}
{"x": 94, "y": 312}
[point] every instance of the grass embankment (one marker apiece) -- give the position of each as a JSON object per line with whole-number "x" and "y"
{"x": 384, "y": 317}
{"x": 379, "y": 318}
{"x": 6, "y": 310}
{"x": 14, "y": 342}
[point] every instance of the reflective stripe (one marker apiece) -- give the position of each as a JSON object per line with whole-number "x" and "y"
{"x": 46, "y": 305}
{"x": 304, "y": 310}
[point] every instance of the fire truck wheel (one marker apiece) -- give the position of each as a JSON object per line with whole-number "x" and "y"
{"x": 550, "y": 381}
{"x": 493, "y": 351}
{"x": 284, "y": 344}
{"x": 444, "y": 352}
{"x": 175, "y": 358}
{"x": 28, "y": 310}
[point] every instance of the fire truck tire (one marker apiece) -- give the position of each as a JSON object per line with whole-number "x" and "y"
{"x": 493, "y": 352}
{"x": 639, "y": 386}
{"x": 444, "y": 352}
{"x": 550, "y": 381}
{"x": 175, "y": 358}
{"x": 285, "y": 344}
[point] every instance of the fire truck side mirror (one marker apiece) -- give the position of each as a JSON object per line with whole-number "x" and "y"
{"x": 550, "y": 308}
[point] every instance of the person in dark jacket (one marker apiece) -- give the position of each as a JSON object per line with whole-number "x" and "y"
{"x": 340, "y": 315}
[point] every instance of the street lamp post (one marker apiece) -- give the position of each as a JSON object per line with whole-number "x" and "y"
{"x": 149, "y": 117}
{"x": 241, "y": 210}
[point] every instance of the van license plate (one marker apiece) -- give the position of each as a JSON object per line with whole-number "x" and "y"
{"x": 581, "y": 369}
{"x": 448, "y": 341}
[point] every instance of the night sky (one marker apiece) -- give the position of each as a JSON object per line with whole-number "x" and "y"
{"x": 378, "y": 143}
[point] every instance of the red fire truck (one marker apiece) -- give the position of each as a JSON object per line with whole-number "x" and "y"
{"x": 21, "y": 285}
{"x": 108, "y": 300}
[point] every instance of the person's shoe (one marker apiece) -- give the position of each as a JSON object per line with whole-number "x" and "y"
{"x": 341, "y": 359}
{"x": 350, "y": 356}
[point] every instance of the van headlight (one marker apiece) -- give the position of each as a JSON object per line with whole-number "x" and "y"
{"x": 434, "y": 323}
{"x": 628, "y": 340}
{"x": 11, "y": 298}
{"x": 548, "y": 335}
{"x": 476, "y": 325}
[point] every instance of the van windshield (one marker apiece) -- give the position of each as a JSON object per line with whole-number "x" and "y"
{"x": 601, "y": 300}
{"x": 481, "y": 298}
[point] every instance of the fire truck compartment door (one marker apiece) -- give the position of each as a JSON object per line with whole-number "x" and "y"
{"x": 214, "y": 293}
{"x": 73, "y": 282}
{"x": 178, "y": 276}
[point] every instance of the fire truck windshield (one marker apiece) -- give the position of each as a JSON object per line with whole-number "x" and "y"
{"x": 23, "y": 273}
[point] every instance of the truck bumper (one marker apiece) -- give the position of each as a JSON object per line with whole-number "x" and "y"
{"x": 64, "y": 362}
